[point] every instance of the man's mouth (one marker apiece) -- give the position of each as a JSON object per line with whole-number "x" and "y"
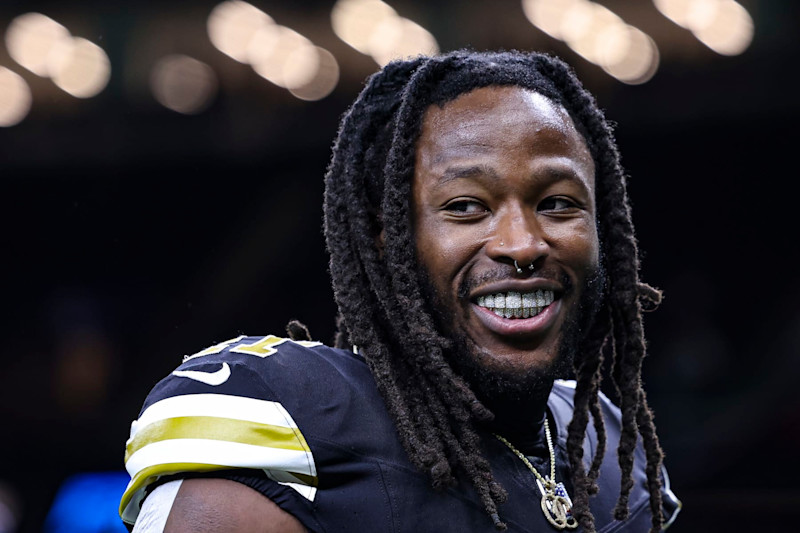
{"x": 513, "y": 304}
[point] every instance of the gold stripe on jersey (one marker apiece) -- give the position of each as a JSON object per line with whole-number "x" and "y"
{"x": 215, "y": 428}
{"x": 132, "y": 498}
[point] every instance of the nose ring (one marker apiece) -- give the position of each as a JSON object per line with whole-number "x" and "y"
{"x": 519, "y": 269}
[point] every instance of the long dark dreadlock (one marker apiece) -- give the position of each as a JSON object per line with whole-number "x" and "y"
{"x": 383, "y": 311}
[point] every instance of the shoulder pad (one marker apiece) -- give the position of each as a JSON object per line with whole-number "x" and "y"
{"x": 217, "y": 411}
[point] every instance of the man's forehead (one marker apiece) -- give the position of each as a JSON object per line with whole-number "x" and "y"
{"x": 484, "y": 119}
{"x": 512, "y": 97}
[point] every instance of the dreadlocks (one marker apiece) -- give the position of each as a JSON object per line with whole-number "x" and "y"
{"x": 383, "y": 310}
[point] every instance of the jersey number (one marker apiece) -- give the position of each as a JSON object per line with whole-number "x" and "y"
{"x": 261, "y": 348}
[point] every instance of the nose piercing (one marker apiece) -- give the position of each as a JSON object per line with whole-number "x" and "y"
{"x": 519, "y": 269}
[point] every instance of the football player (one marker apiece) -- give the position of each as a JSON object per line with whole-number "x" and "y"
{"x": 481, "y": 251}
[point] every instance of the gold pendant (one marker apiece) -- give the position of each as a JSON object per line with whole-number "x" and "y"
{"x": 556, "y": 505}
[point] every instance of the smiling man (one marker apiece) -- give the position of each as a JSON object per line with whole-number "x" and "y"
{"x": 481, "y": 250}
{"x": 503, "y": 179}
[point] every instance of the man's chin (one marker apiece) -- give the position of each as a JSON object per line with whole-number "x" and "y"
{"x": 509, "y": 380}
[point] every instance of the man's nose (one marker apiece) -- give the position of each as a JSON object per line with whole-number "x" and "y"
{"x": 518, "y": 239}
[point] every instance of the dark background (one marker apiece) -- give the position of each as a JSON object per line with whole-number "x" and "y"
{"x": 132, "y": 235}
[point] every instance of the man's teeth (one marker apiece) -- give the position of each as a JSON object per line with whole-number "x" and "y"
{"x": 517, "y": 304}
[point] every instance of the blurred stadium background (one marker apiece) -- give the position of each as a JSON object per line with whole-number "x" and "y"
{"x": 161, "y": 167}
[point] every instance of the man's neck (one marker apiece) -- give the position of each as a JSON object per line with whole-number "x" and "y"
{"x": 520, "y": 418}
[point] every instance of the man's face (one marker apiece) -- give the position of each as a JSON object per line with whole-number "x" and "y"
{"x": 502, "y": 175}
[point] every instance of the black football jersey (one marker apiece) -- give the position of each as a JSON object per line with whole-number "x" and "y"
{"x": 305, "y": 425}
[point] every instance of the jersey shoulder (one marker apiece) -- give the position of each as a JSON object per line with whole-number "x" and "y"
{"x": 243, "y": 366}
{"x": 562, "y": 402}
{"x": 225, "y": 408}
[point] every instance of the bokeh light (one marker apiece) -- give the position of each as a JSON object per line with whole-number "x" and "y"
{"x": 397, "y": 38}
{"x": 232, "y": 26}
{"x": 284, "y": 57}
{"x": 46, "y": 48}
{"x": 79, "y": 67}
{"x": 598, "y": 35}
{"x": 675, "y": 10}
{"x": 277, "y": 53}
{"x": 374, "y": 28}
{"x": 31, "y": 38}
{"x": 355, "y": 21}
{"x": 631, "y": 56}
{"x": 729, "y": 31}
{"x": 725, "y": 26}
{"x": 325, "y": 80}
{"x": 301, "y": 66}
{"x": 15, "y": 98}
{"x": 548, "y": 15}
{"x": 183, "y": 84}
{"x": 583, "y": 27}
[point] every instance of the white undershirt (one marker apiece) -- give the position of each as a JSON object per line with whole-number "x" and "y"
{"x": 155, "y": 510}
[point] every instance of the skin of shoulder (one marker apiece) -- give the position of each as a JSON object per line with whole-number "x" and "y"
{"x": 224, "y": 506}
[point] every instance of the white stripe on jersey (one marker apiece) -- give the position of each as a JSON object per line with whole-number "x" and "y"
{"x": 216, "y": 405}
{"x": 285, "y": 478}
{"x": 156, "y": 508}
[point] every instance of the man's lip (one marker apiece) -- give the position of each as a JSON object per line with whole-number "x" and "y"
{"x": 524, "y": 285}
{"x": 518, "y": 327}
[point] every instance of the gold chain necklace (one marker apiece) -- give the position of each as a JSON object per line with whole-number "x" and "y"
{"x": 556, "y": 505}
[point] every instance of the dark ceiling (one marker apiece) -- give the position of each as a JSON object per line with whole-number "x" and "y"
{"x": 133, "y": 234}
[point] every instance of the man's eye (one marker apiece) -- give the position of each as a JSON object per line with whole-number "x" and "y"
{"x": 466, "y": 207}
{"x": 556, "y": 203}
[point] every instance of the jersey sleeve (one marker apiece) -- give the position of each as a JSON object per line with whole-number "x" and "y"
{"x": 217, "y": 413}
{"x": 670, "y": 504}
{"x": 562, "y": 406}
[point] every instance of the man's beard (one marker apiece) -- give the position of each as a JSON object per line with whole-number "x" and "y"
{"x": 501, "y": 384}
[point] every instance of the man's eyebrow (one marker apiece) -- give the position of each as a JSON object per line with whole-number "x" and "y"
{"x": 554, "y": 174}
{"x": 547, "y": 175}
{"x": 469, "y": 171}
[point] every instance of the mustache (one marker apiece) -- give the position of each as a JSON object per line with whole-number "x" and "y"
{"x": 501, "y": 273}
